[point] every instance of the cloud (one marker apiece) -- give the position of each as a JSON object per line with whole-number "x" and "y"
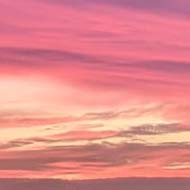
{"x": 34, "y": 57}
{"x": 94, "y": 71}
{"x": 163, "y": 6}
{"x": 94, "y": 157}
{"x": 156, "y": 129}
{"x": 18, "y": 118}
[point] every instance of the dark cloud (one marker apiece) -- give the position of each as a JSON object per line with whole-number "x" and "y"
{"x": 15, "y": 144}
{"x": 133, "y": 112}
{"x": 107, "y": 69}
{"x": 155, "y": 129}
{"x": 19, "y": 56}
{"x": 181, "y": 7}
{"x": 27, "y": 54}
{"x": 162, "y": 6}
{"x": 164, "y": 66}
{"x": 99, "y": 156}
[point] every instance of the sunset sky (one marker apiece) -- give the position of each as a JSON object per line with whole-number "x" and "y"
{"x": 94, "y": 89}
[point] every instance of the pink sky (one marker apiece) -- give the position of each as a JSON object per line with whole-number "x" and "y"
{"x": 94, "y": 89}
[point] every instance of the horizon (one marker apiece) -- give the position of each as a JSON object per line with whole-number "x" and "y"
{"x": 96, "y": 184}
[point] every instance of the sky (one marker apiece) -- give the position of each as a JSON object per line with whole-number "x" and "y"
{"x": 94, "y": 89}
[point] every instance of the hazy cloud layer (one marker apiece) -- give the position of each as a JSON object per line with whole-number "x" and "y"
{"x": 107, "y": 184}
